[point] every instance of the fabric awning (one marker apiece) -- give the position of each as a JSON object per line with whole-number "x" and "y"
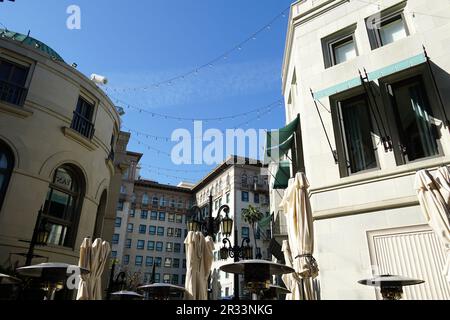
{"x": 279, "y": 142}
{"x": 282, "y": 175}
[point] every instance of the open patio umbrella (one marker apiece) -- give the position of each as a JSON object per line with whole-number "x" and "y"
{"x": 297, "y": 208}
{"x": 435, "y": 209}
{"x": 96, "y": 256}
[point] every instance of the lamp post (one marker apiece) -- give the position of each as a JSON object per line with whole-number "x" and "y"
{"x": 113, "y": 283}
{"x": 39, "y": 238}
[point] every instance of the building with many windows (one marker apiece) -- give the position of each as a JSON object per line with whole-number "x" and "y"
{"x": 368, "y": 108}
{"x": 58, "y": 131}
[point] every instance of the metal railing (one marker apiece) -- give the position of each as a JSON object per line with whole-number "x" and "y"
{"x": 12, "y": 93}
{"x": 82, "y": 125}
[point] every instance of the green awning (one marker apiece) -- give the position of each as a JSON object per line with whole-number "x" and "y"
{"x": 265, "y": 222}
{"x": 283, "y": 175}
{"x": 279, "y": 142}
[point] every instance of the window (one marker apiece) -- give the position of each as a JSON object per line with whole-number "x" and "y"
{"x": 115, "y": 238}
{"x": 120, "y": 205}
{"x": 168, "y": 262}
{"x": 227, "y": 275}
{"x": 179, "y": 218}
{"x": 114, "y": 254}
{"x": 162, "y": 216}
{"x": 245, "y": 232}
{"x": 155, "y": 201}
{"x": 161, "y": 231}
{"x": 82, "y": 118}
{"x": 170, "y": 232}
{"x": 177, "y": 247}
{"x": 183, "y": 279}
{"x": 118, "y": 222}
{"x": 354, "y": 134}
{"x": 157, "y": 277}
{"x": 123, "y": 190}
{"x": 151, "y": 245}
{"x": 132, "y": 212}
{"x": 175, "y": 279}
{"x": 416, "y": 131}
{"x": 244, "y": 180}
{"x": 244, "y": 196}
{"x": 152, "y": 230}
{"x": 184, "y": 263}
{"x": 154, "y": 215}
{"x": 339, "y": 47}
{"x": 130, "y": 227}
{"x": 13, "y": 78}
{"x": 172, "y": 203}
{"x": 149, "y": 261}
{"x": 6, "y": 166}
{"x": 128, "y": 243}
{"x": 171, "y": 217}
{"x": 166, "y": 278}
{"x": 227, "y": 292}
{"x": 145, "y": 199}
{"x": 185, "y": 233}
{"x": 178, "y": 233}
{"x": 228, "y": 198}
{"x": 258, "y": 234}
{"x": 387, "y": 27}
{"x": 142, "y": 229}
{"x": 158, "y": 262}
{"x": 140, "y": 244}
{"x": 180, "y": 204}
{"x": 169, "y": 247}
{"x": 138, "y": 260}
{"x": 144, "y": 214}
{"x": 256, "y": 198}
{"x": 159, "y": 246}
{"x": 63, "y": 205}
{"x": 126, "y": 259}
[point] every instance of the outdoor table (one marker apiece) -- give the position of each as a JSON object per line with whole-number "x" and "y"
{"x": 52, "y": 275}
{"x": 257, "y": 273}
{"x": 391, "y": 285}
{"x": 8, "y": 280}
{"x": 128, "y": 295}
{"x": 162, "y": 291}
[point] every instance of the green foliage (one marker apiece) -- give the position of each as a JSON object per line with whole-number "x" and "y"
{"x": 252, "y": 215}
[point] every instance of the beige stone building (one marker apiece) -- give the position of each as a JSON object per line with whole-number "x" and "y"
{"x": 381, "y": 130}
{"x": 57, "y": 135}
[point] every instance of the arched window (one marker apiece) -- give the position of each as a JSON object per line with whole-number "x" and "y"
{"x": 145, "y": 199}
{"x": 155, "y": 200}
{"x": 6, "y": 167}
{"x": 63, "y": 206}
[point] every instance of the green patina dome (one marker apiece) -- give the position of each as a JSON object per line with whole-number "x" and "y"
{"x": 29, "y": 41}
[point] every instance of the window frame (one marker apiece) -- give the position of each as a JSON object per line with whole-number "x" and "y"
{"x": 6, "y": 172}
{"x": 331, "y": 41}
{"x": 140, "y": 245}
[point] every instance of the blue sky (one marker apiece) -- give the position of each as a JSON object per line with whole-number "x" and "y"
{"x": 137, "y": 43}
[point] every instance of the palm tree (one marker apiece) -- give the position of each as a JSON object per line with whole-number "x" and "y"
{"x": 252, "y": 216}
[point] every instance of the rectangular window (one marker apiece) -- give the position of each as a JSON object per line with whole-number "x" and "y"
{"x": 166, "y": 278}
{"x": 168, "y": 262}
{"x": 142, "y": 229}
{"x": 132, "y": 212}
{"x": 157, "y": 277}
{"x": 144, "y": 214}
{"x": 184, "y": 263}
{"x": 13, "y": 78}
{"x": 126, "y": 259}
{"x": 120, "y": 205}
{"x": 245, "y": 232}
{"x": 82, "y": 118}
{"x": 158, "y": 262}
{"x": 113, "y": 254}
{"x": 155, "y": 201}
{"x": 387, "y": 27}
{"x": 170, "y": 232}
{"x": 178, "y": 233}
{"x": 118, "y": 222}
{"x": 169, "y": 246}
{"x": 161, "y": 231}
{"x": 159, "y": 246}
{"x": 128, "y": 243}
{"x": 151, "y": 245}
{"x": 177, "y": 248}
{"x": 152, "y": 230}
{"x": 115, "y": 239}
{"x": 149, "y": 261}
{"x": 140, "y": 244}
{"x": 244, "y": 196}
{"x": 179, "y": 218}
{"x": 130, "y": 227}
{"x": 171, "y": 217}
{"x": 228, "y": 198}
{"x": 339, "y": 47}
{"x": 175, "y": 279}
{"x": 154, "y": 215}
{"x": 139, "y": 260}
{"x": 356, "y": 145}
{"x": 417, "y": 132}
{"x": 162, "y": 216}
{"x": 256, "y": 198}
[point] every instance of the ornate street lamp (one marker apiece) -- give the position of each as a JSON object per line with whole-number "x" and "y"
{"x": 209, "y": 226}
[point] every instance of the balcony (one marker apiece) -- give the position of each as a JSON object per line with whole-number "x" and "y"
{"x": 12, "y": 93}
{"x": 82, "y": 125}
{"x": 261, "y": 187}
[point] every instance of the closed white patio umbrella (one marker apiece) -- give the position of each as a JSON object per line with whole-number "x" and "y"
{"x": 291, "y": 280}
{"x": 96, "y": 256}
{"x": 194, "y": 242}
{"x": 297, "y": 208}
{"x": 435, "y": 208}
